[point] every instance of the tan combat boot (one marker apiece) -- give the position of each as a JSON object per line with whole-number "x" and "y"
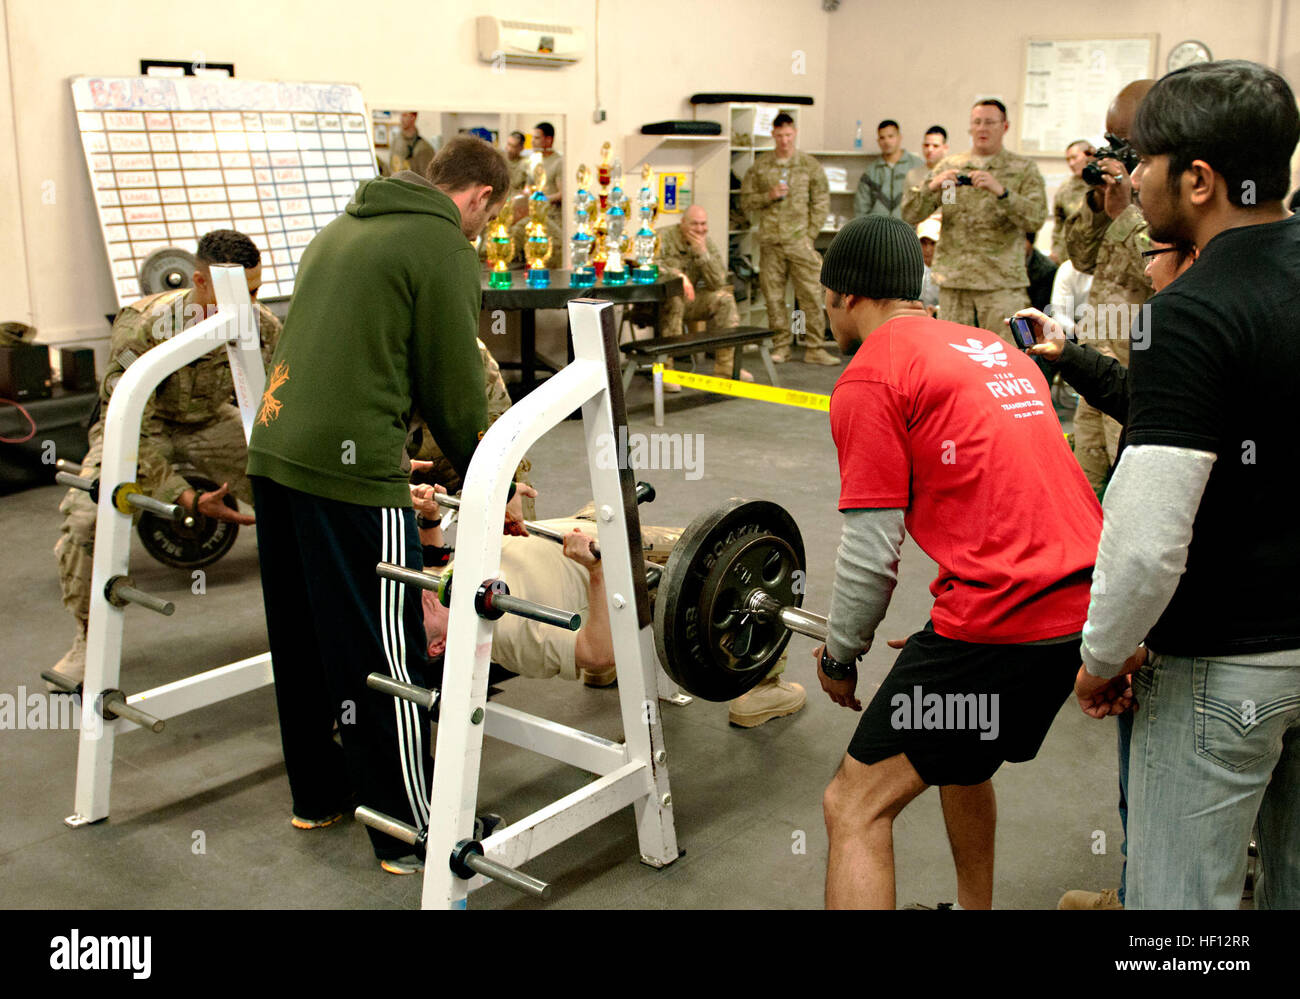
{"x": 773, "y": 698}
{"x": 73, "y": 664}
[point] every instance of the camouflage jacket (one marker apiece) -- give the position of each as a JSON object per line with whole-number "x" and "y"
{"x": 421, "y": 445}
{"x": 518, "y": 170}
{"x": 983, "y": 243}
{"x": 705, "y": 271}
{"x": 1068, "y": 198}
{"x": 1111, "y": 251}
{"x": 409, "y": 154}
{"x": 801, "y": 214}
{"x": 194, "y": 394}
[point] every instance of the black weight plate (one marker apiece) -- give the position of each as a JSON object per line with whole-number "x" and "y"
{"x": 193, "y": 547}
{"x": 700, "y": 628}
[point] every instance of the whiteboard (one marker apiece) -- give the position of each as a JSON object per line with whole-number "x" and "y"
{"x": 171, "y": 158}
{"x": 1070, "y": 82}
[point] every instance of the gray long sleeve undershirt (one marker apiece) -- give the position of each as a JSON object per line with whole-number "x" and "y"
{"x": 866, "y": 571}
{"x": 1150, "y": 506}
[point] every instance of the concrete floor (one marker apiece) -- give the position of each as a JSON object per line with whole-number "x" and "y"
{"x": 200, "y": 812}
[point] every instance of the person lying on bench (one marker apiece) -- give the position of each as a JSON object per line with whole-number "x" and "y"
{"x": 571, "y": 577}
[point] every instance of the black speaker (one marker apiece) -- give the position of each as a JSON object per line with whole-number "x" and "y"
{"x": 78, "y": 369}
{"x": 25, "y": 372}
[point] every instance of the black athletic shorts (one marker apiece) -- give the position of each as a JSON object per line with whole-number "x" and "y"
{"x": 958, "y": 710}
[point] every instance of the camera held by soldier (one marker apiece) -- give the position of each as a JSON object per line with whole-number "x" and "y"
{"x": 1117, "y": 150}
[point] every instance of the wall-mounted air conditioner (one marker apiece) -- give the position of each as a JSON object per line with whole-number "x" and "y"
{"x": 525, "y": 43}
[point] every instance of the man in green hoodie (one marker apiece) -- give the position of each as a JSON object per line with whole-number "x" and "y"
{"x": 383, "y": 323}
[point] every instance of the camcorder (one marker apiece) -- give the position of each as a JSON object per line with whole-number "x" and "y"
{"x": 1117, "y": 150}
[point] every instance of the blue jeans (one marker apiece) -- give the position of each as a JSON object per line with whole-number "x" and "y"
{"x": 1214, "y": 745}
{"x": 1124, "y": 730}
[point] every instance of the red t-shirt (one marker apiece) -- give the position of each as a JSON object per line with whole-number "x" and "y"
{"x": 957, "y": 427}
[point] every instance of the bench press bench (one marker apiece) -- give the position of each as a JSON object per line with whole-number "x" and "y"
{"x": 643, "y": 352}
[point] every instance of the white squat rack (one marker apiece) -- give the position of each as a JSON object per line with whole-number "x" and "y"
{"x": 633, "y": 772}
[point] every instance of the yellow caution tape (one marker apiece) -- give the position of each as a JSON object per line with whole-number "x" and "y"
{"x": 745, "y": 390}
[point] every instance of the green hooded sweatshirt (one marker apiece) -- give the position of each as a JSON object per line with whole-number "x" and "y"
{"x": 383, "y": 321}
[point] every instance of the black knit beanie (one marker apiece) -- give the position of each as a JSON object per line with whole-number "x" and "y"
{"x": 876, "y": 256}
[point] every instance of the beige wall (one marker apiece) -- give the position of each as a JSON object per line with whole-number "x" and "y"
{"x": 867, "y": 60}
{"x": 652, "y": 57}
{"x": 886, "y": 64}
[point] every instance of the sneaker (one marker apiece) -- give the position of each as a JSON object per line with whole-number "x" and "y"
{"x": 605, "y": 679}
{"x": 300, "y": 823}
{"x": 73, "y": 664}
{"x": 1108, "y": 899}
{"x": 773, "y": 698}
{"x": 820, "y": 356}
{"x": 410, "y": 864}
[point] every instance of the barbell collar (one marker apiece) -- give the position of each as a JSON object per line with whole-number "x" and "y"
{"x": 112, "y": 704}
{"x": 422, "y": 696}
{"x": 119, "y": 592}
{"x": 493, "y": 599}
{"x": 467, "y": 860}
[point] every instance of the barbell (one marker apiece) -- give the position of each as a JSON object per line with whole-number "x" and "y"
{"x": 730, "y": 597}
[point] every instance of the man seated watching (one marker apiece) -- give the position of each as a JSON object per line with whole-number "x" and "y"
{"x": 570, "y": 576}
{"x": 686, "y": 249}
{"x": 189, "y": 418}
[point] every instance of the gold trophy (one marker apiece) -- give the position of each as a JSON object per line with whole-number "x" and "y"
{"x": 582, "y": 243}
{"x": 537, "y": 241}
{"x": 501, "y": 248}
{"x": 645, "y": 240}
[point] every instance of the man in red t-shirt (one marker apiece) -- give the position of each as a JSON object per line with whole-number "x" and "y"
{"x": 945, "y": 431}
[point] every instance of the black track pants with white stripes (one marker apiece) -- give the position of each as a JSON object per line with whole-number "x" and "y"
{"x": 331, "y": 621}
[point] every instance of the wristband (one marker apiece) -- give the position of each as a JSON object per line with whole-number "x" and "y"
{"x": 194, "y": 503}
{"x": 836, "y": 670}
{"x": 425, "y": 524}
{"x": 436, "y": 556}
{"x": 1005, "y": 192}
{"x": 511, "y": 494}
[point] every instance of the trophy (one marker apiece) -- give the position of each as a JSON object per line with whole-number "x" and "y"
{"x": 582, "y": 243}
{"x": 537, "y": 241}
{"x": 501, "y": 248}
{"x": 615, "y": 227}
{"x": 602, "y": 175}
{"x": 643, "y": 243}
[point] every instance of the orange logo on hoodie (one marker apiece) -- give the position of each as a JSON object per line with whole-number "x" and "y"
{"x": 271, "y": 406}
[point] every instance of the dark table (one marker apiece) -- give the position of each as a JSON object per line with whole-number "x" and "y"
{"x": 526, "y": 301}
{"x": 60, "y": 421}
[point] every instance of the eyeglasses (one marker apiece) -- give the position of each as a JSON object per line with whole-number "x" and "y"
{"x": 1148, "y": 254}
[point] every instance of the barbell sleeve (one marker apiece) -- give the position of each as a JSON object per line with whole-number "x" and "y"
{"x": 422, "y": 696}
{"x": 112, "y": 704}
{"x": 388, "y": 825}
{"x": 401, "y": 574}
{"x": 168, "y": 511}
{"x": 63, "y": 465}
{"x": 804, "y": 622}
{"x": 119, "y": 592}
{"x": 493, "y": 599}
{"x": 77, "y": 482}
{"x": 507, "y": 876}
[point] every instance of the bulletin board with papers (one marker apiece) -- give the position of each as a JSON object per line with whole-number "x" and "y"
{"x": 1069, "y": 83}
{"x": 171, "y": 158}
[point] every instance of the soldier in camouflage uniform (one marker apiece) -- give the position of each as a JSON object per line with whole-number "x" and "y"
{"x": 421, "y": 445}
{"x": 1105, "y": 237}
{"x": 980, "y": 261}
{"x": 408, "y": 149}
{"x": 687, "y": 251}
{"x": 189, "y": 418}
{"x": 1069, "y": 195}
{"x": 788, "y": 190}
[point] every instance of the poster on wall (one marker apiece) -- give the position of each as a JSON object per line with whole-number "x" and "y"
{"x": 172, "y": 158}
{"x": 1069, "y": 82}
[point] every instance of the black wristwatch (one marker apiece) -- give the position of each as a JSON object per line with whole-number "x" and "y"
{"x": 836, "y": 670}
{"x": 1005, "y": 192}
